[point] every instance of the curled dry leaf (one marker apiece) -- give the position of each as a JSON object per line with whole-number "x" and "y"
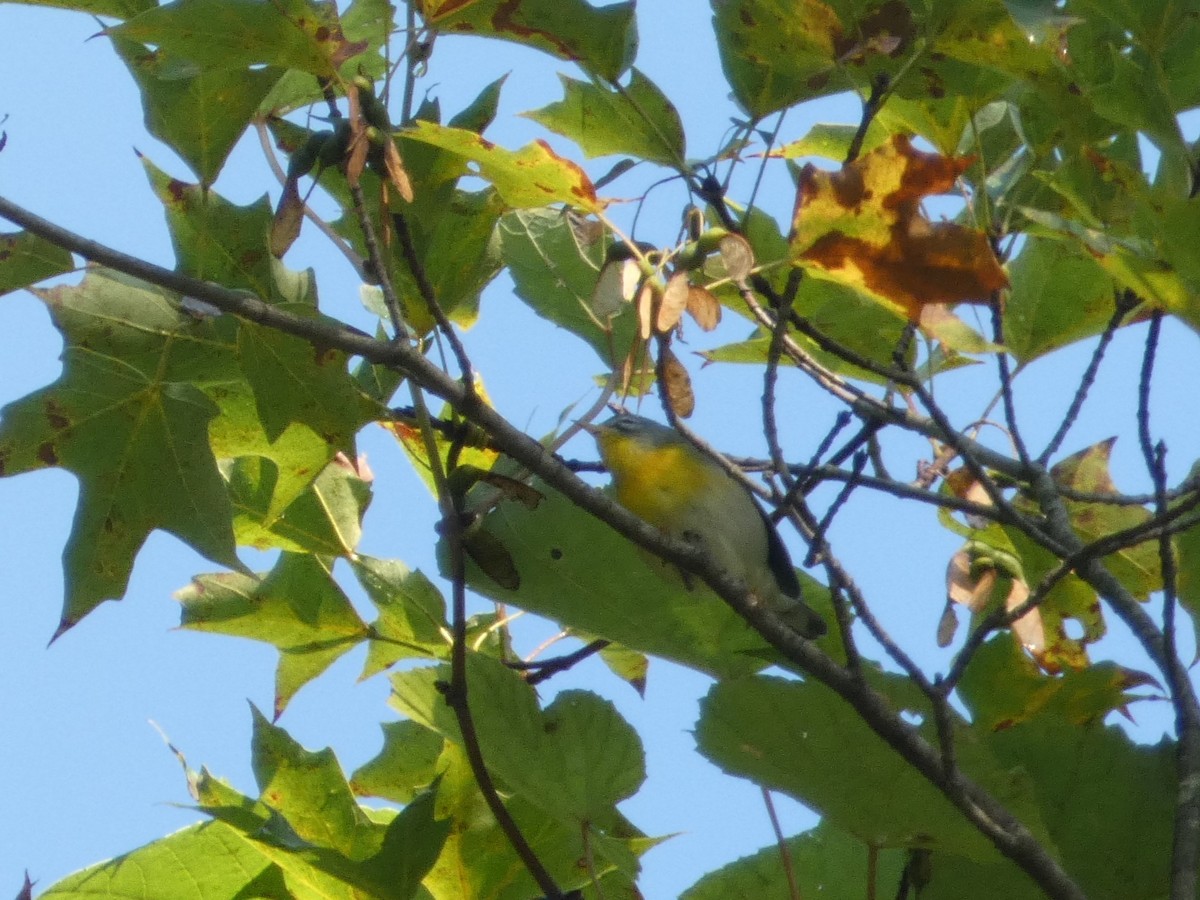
{"x": 1028, "y": 629}
{"x": 704, "y": 307}
{"x": 965, "y": 588}
{"x": 645, "y": 308}
{"x": 289, "y": 214}
{"x": 356, "y": 158}
{"x": 738, "y": 256}
{"x": 677, "y": 383}
{"x": 396, "y": 173}
{"x": 674, "y": 301}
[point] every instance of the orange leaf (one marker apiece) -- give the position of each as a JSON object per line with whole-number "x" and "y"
{"x": 863, "y": 226}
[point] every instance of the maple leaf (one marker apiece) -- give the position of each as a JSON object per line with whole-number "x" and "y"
{"x": 863, "y": 226}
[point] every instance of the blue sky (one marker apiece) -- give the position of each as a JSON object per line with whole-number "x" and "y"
{"x": 83, "y": 773}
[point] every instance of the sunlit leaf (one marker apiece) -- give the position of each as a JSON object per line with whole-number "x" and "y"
{"x": 637, "y": 120}
{"x": 26, "y": 259}
{"x": 527, "y": 178}
{"x": 863, "y": 226}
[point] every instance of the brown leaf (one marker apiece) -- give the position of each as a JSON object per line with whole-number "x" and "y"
{"x": 527, "y": 496}
{"x": 863, "y": 226}
{"x": 962, "y": 587}
{"x": 738, "y": 256}
{"x": 645, "y": 308}
{"x": 289, "y": 215}
{"x": 677, "y": 383}
{"x": 704, "y": 307}
{"x": 356, "y": 158}
{"x": 674, "y": 301}
{"x": 947, "y": 625}
{"x": 396, "y": 172}
{"x": 1028, "y": 629}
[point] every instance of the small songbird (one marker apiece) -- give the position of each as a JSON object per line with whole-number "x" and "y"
{"x": 661, "y": 477}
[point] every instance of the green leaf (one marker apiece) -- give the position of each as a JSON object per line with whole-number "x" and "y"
{"x": 777, "y": 53}
{"x": 235, "y": 34}
{"x": 391, "y": 853}
{"x": 117, "y": 9}
{"x": 214, "y": 855}
{"x": 530, "y": 177}
{"x": 26, "y": 259}
{"x": 478, "y": 860}
{"x": 1058, "y": 296}
{"x": 407, "y": 764}
{"x": 794, "y": 737}
{"x": 1137, "y": 567}
{"x": 602, "y": 41}
{"x": 575, "y": 760}
{"x": 125, "y": 419}
{"x": 628, "y": 665}
{"x": 297, "y": 383}
{"x": 1006, "y": 688}
{"x": 637, "y": 120}
{"x": 199, "y": 112}
{"x": 577, "y": 571}
{"x": 326, "y": 519}
{"x": 412, "y": 614}
{"x": 555, "y": 272}
{"x": 828, "y": 863}
{"x": 310, "y": 792}
{"x": 215, "y": 240}
{"x": 364, "y": 23}
{"x": 832, "y": 141}
{"x": 1092, "y": 783}
{"x": 297, "y": 608}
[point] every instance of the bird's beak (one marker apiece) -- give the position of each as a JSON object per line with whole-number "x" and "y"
{"x": 591, "y": 429}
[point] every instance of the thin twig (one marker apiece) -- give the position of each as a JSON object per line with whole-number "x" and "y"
{"x": 785, "y": 855}
{"x": 1185, "y": 851}
{"x": 1006, "y": 391}
{"x": 1085, "y": 383}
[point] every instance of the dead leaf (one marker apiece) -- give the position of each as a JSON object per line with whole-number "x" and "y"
{"x": 704, "y": 307}
{"x": 356, "y": 158}
{"x": 947, "y": 625}
{"x": 967, "y": 589}
{"x": 396, "y": 173}
{"x": 1028, "y": 629}
{"x": 289, "y": 215}
{"x": 677, "y": 384}
{"x": 674, "y": 301}
{"x": 645, "y": 308}
{"x": 863, "y": 226}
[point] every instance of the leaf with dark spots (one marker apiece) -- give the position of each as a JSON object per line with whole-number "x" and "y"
{"x": 602, "y": 41}
{"x": 533, "y": 176}
{"x": 863, "y": 226}
{"x": 26, "y": 259}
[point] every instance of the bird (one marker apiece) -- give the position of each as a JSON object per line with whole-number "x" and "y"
{"x": 664, "y": 479}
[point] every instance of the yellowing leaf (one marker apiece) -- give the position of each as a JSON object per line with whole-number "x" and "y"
{"x": 863, "y": 226}
{"x": 533, "y": 176}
